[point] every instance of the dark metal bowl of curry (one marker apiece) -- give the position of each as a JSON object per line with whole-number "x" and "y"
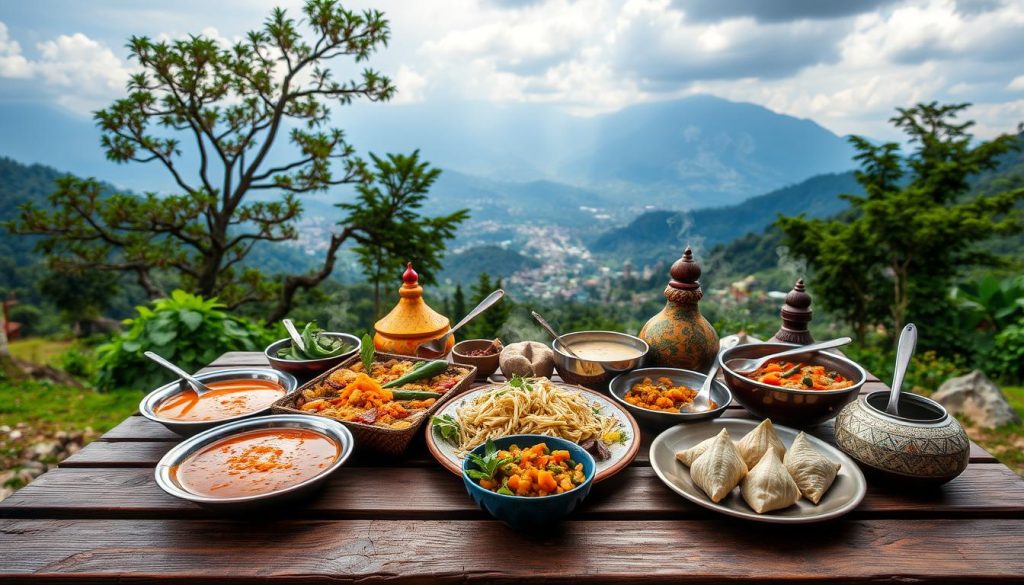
{"x": 661, "y": 416}
{"x": 237, "y": 393}
{"x": 792, "y": 406}
{"x": 256, "y": 461}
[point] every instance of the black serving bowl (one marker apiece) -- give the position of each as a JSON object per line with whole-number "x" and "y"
{"x": 310, "y": 368}
{"x": 788, "y": 406}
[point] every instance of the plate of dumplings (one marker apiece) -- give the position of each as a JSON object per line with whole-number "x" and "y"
{"x": 758, "y": 471}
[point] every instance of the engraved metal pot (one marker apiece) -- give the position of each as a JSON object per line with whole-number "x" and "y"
{"x": 922, "y": 446}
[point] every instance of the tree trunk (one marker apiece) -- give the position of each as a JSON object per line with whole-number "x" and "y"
{"x": 8, "y": 367}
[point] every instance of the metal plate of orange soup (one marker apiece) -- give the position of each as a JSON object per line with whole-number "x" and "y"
{"x": 227, "y": 399}
{"x": 256, "y": 462}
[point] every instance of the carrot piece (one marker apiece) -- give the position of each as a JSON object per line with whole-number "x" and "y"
{"x": 546, "y": 481}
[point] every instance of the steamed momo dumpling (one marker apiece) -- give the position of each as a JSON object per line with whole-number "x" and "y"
{"x": 690, "y": 455}
{"x": 812, "y": 471}
{"x": 754, "y": 444}
{"x": 768, "y": 486}
{"x": 719, "y": 469}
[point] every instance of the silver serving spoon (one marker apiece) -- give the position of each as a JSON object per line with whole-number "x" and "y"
{"x": 905, "y": 351}
{"x": 551, "y": 331}
{"x": 745, "y": 366}
{"x": 294, "y": 334}
{"x": 196, "y": 385}
{"x": 702, "y": 401}
{"x": 436, "y": 347}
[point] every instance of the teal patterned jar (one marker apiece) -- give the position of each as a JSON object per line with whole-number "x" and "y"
{"x": 680, "y": 336}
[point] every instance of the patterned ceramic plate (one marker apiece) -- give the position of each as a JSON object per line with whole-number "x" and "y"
{"x": 622, "y": 453}
{"x": 844, "y": 495}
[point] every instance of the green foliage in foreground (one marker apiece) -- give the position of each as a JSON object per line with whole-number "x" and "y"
{"x": 183, "y": 328}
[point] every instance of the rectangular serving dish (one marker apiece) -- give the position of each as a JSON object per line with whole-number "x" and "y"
{"x": 380, "y": 439}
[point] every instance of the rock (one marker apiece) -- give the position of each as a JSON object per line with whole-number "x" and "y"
{"x": 61, "y": 437}
{"x": 6, "y": 476}
{"x": 14, "y": 435}
{"x": 72, "y": 448}
{"x": 44, "y": 450}
{"x": 978, "y": 398}
{"x": 5, "y": 428}
{"x": 5, "y": 492}
{"x": 34, "y": 465}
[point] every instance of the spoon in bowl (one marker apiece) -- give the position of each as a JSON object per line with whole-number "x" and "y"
{"x": 198, "y": 387}
{"x": 551, "y": 331}
{"x": 436, "y": 347}
{"x": 745, "y": 366}
{"x": 905, "y": 350}
{"x": 702, "y": 401}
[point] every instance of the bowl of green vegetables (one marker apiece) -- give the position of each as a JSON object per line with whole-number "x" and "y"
{"x": 320, "y": 351}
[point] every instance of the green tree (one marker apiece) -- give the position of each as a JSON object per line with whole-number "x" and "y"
{"x": 458, "y": 304}
{"x": 231, "y": 106}
{"x": 392, "y": 231}
{"x": 916, "y": 227}
{"x": 487, "y": 325}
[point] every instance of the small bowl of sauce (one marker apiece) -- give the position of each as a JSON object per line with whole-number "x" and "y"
{"x": 255, "y": 461}
{"x": 235, "y": 394}
{"x": 602, "y": 356}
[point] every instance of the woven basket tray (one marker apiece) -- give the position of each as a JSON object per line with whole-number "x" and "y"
{"x": 376, "y": 438}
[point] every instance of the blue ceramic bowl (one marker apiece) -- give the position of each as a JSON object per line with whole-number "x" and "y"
{"x": 522, "y": 512}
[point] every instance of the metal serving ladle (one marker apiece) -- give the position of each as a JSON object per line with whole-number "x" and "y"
{"x": 905, "y": 351}
{"x": 554, "y": 334}
{"x": 745, "y": 366}
{"x": 196, "y": 385}
{"x": 436, "y": 347}
{"x": 702, "y": 401}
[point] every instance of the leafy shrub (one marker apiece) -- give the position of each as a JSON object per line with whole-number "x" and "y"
{"x": 927, "y": 371}
{"x": 1006, "y": 359}
{"x": 79, "y": 360}
{"x": 185, "y": 329}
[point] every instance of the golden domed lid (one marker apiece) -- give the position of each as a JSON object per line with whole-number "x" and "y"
{"x": 411, "y": 317}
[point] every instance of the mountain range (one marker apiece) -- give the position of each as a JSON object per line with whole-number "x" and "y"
{"x": 683, "y": 154}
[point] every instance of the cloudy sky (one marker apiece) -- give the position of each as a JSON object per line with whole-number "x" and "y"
{"x": 843, "y": 63}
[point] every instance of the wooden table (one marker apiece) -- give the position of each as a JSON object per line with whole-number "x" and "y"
{"x": 101, "y": 518}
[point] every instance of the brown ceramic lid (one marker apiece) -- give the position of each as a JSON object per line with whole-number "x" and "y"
{"x": 411, "y": 317}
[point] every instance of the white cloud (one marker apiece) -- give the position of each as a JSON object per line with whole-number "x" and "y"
{"x": 847, "y": 68}
{"x": 12, "y": 63}
{"x": 74, "y": 70}
{"x": 410, "y": 86}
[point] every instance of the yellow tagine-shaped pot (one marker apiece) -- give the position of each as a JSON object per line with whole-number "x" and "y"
{"x": 411, "y": 322}
{"x": 680, "y": 336}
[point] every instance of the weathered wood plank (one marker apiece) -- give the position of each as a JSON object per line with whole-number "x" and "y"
{"x": 196, "y": 551}
{"x": 140, "y": 429}
{"x": 433, "y": 493}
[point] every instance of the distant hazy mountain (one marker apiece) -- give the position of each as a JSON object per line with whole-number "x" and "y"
{"x": 654, "y": 234}
{"x": 688, "y": 153}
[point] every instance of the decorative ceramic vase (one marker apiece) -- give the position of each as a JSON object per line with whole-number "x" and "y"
{"x": 411, "y": 322}
{"x": 680, "y": 336}
{"x": 796, "y": 315}
{"x": 922, "y": 446}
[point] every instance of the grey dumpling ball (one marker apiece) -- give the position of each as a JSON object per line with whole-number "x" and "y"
{"x": 527, "y": 359}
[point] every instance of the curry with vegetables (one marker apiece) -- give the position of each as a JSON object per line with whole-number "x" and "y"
{"x": 530, "y": 472}
{"x": 799, "y": 376}
{"x": 663, "y": 395}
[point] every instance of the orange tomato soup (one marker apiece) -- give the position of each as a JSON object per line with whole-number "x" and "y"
{"x": 256, "y": 462}
{"x": 228, "y": 398}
